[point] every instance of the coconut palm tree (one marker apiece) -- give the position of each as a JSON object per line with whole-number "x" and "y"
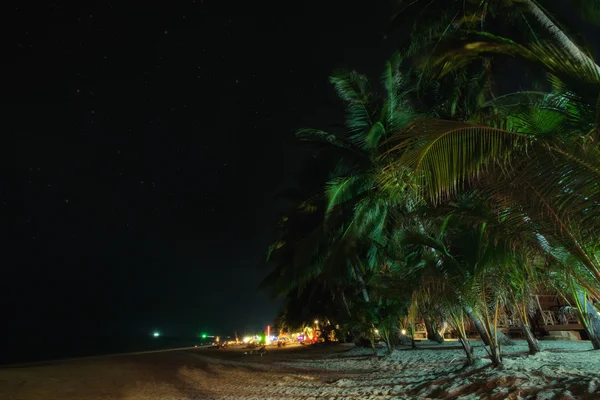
{"x": 354, "y": 210}
{"x": 541, "y": 158}
{"x": 574, "y": 283}
{"x": 335, "y": 239}
{"x": 534, "y": 154}
{"x": 461, "y": 90}
{"x": 440, "y": 283}
{"x": 447, "y": 17}
{"x": 392, "y": 205}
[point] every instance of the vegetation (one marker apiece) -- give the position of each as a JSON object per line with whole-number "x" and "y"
{"x": 453, "y": 201}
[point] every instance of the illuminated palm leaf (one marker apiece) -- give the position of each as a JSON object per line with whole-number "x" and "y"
{"x": 446, "y": 155}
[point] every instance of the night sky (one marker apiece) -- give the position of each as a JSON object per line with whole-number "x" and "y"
{"x": 151, "y": 145}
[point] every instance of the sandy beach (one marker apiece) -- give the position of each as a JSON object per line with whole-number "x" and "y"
{"x": 565, "y": 370}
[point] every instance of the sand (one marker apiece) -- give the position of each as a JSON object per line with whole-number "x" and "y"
{"x": 565, "y": 370}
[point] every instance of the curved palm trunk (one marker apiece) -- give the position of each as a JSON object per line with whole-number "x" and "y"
{"x": 590, "y": 318}
{"x": 594, "y": 325}
{"x": 459, "y": 327}
{"x": 468, "y": 349}
{"x": 558, "y": 34}
{"x": 502, "y": 338}
{"x": 478, "y": 325}
{"x": 532, "y": 342}
{"x": 432, "y": 333}
{"x": 361, "y": 282}
{"x": 346, "y": 304}
{"x": 521, "y": 308}
{"x": 490, "y": 336}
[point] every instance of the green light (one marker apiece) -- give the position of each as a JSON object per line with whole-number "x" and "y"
{"x": 204, "y": 336}
{"x": 156, "y": 334}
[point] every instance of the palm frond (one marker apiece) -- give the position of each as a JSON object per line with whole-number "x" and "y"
{"x": 317, "y": 135}
{"x": 343, "y": 189}
{"x": 445, "y": 155}
{"x": 355, "y": 90}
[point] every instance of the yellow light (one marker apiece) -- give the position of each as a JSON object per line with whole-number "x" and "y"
{"x": 316, "y": 321}
{"x": 403, "y": 331}
{"x": 247, "y": 339}
{"x": 377, "y": 331}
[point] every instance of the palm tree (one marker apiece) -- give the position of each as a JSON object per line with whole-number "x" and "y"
{"x": 544, "y": 150}
{"x": 443, "y": 18}
{"x": 574, "y": 284}
{"x": 535, "y": 153}
{"x": 551, "y": 27}
{"x": 462, "y": 89}
{"x": 335, "y": 238}
{"x": 440, "y": 208}
{"x": 351, "y": 191}
{"x": 442, "y": 281}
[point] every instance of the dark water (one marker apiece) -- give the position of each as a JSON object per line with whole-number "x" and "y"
{"x": 40, "y": 348}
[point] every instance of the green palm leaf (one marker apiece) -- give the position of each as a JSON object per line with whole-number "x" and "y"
{"x": 445, "y": 155}
{"x": 355, "y": 89}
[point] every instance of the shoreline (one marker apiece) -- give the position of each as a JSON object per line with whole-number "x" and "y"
{"x": 564, "y": 370}
{"x": 68, "y": 359}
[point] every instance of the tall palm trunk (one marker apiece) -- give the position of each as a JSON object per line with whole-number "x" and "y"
{"x": 458, "y": 323}
{"x": 490, "y": 324}
{"x": 590, "y": 318}
{"x": 532, "y": 342}
{"x": 521, "y": 306}
{"x": 346, "y": 304}
{"x": 558, "y": 34}
{"x": 466, "y": 345}
{"x": 502, "y": 338}
{"x": 477, "y": 324}
{"x": 361, "y": 282}
{"x": 432, "y": 333}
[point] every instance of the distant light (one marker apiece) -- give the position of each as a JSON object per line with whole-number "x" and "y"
{"x": 377, "y": 331}
{"x": 403, "y": 331}
{"x": 316, "y": 321}
{"x": 156, "y": 334}
{"x": 204, "y": 336}
{"x": 247, "y": 339}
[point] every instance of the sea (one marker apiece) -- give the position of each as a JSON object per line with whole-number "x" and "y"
{"x": 37, "y": 348}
